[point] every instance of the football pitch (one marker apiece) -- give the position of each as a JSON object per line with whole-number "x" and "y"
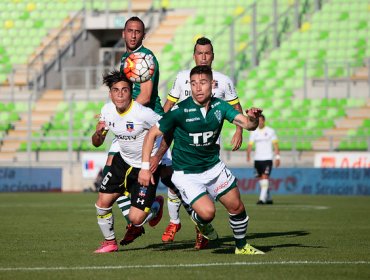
{"x": 53, "y": 236}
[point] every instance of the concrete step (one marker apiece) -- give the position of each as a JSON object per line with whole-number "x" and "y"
{"x": 7, "y": 156}
{"x": 363, "y": 112}
{"x": 349, "y": 123}
{"x": 336, "y": 132}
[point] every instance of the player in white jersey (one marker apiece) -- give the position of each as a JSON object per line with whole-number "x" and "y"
{"x": 264, "y": 138}
{"x": 129, "y": 121}
{"x": 223, "y": 88}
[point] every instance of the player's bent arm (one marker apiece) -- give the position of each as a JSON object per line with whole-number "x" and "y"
{"x": 145, "y": 93}
{"x": 145, "y": 175}
{"x": 98, "y": 137}
{"x": 250, "y": 121}
{"x": 168, "y": 105}
{"x": 163, "y": 147}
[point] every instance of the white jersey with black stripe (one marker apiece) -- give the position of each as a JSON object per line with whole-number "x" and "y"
{"x": 223, "y": 88}
{"x": 130, "y": 129}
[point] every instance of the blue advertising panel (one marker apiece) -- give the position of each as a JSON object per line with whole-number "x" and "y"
{"x": 314, "y": 181}
{"x": 23, "y": 179}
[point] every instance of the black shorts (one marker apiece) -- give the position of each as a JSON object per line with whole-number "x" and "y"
{"x": 263, "y": 167}
{"x": 123, "y": 178}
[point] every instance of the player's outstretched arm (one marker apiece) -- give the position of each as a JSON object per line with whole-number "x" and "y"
{"x": 250, "y": 121}
{"x": 99, "y": 135}
{"x": 145, "y": 175}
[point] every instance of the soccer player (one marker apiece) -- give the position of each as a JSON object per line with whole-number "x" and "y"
{"x": 223, "y": 88}
{"x": 129, "y": 121}
{"x": 265, "y": 138}
{"x": 145, "y": 93}
{"x": 196, "y": 124}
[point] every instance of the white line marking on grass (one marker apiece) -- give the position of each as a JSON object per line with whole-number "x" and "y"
{"x": 184, "y": 265}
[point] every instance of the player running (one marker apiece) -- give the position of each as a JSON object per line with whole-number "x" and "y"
{"x": 196, "y": 124}
{"x": 129, "y": 121}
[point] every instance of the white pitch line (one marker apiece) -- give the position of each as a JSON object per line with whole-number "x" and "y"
{"x": 184, "y": 265}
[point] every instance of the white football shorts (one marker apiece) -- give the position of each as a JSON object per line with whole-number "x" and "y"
{"x": 216, "y": 182}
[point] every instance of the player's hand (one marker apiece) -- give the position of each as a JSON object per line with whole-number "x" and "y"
{"x": 248, "y": 158}
{"x": 145, "y": 177}
{"x": 154, "y": 162}
{"x": 254, "y": 112}
{"x": 277, "y": 162}
{"x": 237, "y": 140}
{"x": 101, "y": 128}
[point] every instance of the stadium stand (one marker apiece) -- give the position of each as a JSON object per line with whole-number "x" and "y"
{"x": 330, "y": 45}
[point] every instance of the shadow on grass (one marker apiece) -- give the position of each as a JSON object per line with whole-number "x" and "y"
{"x": 225, "y": 245}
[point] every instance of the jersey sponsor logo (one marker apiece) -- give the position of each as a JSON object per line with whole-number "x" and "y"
{"x": 215, "y": 85}
{"x": 126, "y": 137}
{"x": 130, "y": 126}
{"x": 141, "y": 201}
{"x": 202, "y": 138}
{"x": 111, "y": 124}
{"x": 215, "y": 104}
{"x": 193, "y": 119}
{"x": 190, "y": 110}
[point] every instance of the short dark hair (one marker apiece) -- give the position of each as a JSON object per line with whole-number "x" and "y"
{"x": 203, "y": 41}
{"x": 202, "y": 69}
{"x": 137, "y": 19}
{"x": 114, "y": 77}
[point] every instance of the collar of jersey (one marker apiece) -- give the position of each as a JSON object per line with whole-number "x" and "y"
{"x": 137, "y": 49}
{"x": 128, "y": 110}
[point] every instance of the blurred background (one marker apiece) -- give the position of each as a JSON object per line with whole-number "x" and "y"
{"x": 305, "y": 62}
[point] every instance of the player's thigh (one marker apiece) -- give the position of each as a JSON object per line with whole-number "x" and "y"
{"x": 112, "y": 181}
{"x": 232, "y": 201}
{"x": 221, "y": 181}
{"x": 141, "y": 197}
{"x": 190, "y": 186}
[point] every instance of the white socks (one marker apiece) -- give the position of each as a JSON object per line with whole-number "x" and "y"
{"x": 264, "y": 184}
{"x": 106, "y": 222}
{"x": 173, "y": 204}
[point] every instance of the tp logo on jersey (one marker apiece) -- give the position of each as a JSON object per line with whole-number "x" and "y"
{"x": 130, "y": 126}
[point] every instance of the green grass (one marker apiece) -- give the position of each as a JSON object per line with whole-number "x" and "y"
{"x": 53, "y": 235}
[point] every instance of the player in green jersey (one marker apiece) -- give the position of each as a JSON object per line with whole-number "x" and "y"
{"x": 196, "y": 124}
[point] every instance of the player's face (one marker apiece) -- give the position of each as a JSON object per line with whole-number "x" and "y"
{"x": 133, "y": 34}
{"x": 201, "y": 88}
{"x": 120, "y": 94}
{"x": 261, "y": 123}
{"x": 203, "y": 55}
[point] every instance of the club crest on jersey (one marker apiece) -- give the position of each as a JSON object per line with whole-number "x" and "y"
{"x": 218, "y": 115}
{"x": 130, "y": 126}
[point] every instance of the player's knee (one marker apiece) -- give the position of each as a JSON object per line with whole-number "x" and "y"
{"x": 207, "y": 213}
{"x": 101, "y": 211}
{"x": 236, "y": 207}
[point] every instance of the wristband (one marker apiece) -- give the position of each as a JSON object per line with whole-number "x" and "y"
{"x": 277, "y": 156}
{"x": 145, "y": 165}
